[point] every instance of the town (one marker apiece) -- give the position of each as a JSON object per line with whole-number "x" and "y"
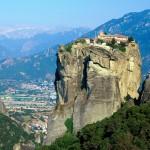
{"x": 29, "y": 103}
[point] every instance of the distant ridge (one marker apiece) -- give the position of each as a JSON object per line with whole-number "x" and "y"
{"x": 26, "y": 42}
{"x": 136, "y": 24}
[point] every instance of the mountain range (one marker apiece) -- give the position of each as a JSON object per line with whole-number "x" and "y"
{"x": 32, "y": 56}
{"x": 32, "y": 44}
{"x": 20, "y": 42}
{"x": 135, "y": 24}
{"x": 37, "y": 66}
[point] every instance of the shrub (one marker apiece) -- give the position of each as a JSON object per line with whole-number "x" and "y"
{"x": 67, "y": 142}
{"x": 121, "y": 47}
{"x": 129, "y": 128}
{"x": 83, "y": 41}
{"x": 69, "y": 125}
{"x": 130, "y": 39}
{"x": 112, "y": 43}
{"x": 68, "y": 47}
{"x": 11, "y": 133}
{"x": 100, "y": 41}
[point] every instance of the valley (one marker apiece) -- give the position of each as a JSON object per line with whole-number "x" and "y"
{"x": 76, "y": 88}
{"x": 29, "y": 103}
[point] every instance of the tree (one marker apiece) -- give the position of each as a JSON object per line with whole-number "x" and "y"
{"x": 130, "y": 39}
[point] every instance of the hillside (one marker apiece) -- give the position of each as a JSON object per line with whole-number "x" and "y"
{"x": 137, "y": 25}
{"x": 127, "y": 129}
{"x": 38, "y": 66}
{"x": 32, "y": 56}
{"x": 92, "y": 78}
{"x": 11, "y": 133}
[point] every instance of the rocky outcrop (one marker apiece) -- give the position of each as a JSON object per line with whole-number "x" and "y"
{"x": 21, "y": 146}
{"x": 3, "y": 108}
{"x": 145, "y": 93}
{"x": 91, "y": 82}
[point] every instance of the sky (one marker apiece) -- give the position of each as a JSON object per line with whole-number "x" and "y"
{"x": 66, "y": 13}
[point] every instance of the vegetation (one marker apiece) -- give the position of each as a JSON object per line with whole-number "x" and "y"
{"x": 127, "y": 129}
{"x": 113, "y": 42}
{"x": 100, "y": 41}
{"x": 11, "y": 133}
{"x": 68, "y": 47}
{"x": 118, "y": 46}
{"x": 130, "y": 39}
{"x": 83, "y": 41}
{"x": 121, "y": 47}
{"x": 69, "y": 125}
{"x": 67, "y": 142}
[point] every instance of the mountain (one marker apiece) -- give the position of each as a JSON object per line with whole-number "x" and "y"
{"x": 91, "y": 81}
{"x": 127, "y": 129}
{"x": 33, "y": 56}
{"x": 3, "y": 109}
{"x": 135, "y": 24}
{"x": 23, "y": 32}
{"x": 20, "y": 42}
{"x": 11, "y": 133}
{"x": 38, "y": 66}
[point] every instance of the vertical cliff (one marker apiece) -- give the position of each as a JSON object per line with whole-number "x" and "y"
{"x": 92, "y": 80}
{"x": 145, "y": 93}
{"x": 3, "y": 109}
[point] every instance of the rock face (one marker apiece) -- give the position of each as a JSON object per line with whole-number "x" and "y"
{"x": 21, "y": 146}
{"x": 2, "y": 108}
{"x": 145, "y": 94}
{"x": 91, "y": 82}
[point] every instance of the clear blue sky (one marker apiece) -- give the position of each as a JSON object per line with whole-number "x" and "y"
{"x": 70, "y": 13}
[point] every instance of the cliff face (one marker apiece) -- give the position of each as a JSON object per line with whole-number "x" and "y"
{"x": 145, "y": 94}
{"x": 3, "y": 108}
{"x": 91, "y": 82}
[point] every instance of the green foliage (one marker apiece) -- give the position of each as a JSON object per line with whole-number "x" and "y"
{"x": 118, "y": 46}
{"x": 100, "y": 41}
{"x": 67, "y": 142}
{"x": 69, "y": 125}
{"x": 42, "y": 119}
{"x": 122, "y": 47}
{"x": 11, "y": 133}
{"x": 127, "y": 129}
{"x": 127, "y": 98}
{"x": 68, "y": 47}
{"x": 130, "y": 39}
{"x": 113, "y": 41}
{"x": 83, "y": 41}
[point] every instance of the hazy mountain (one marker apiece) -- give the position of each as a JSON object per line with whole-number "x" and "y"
{"x": 32, "y": 55}
{"x": 136, "y": 24}
{"x": 22, "y": 32}
{"x": 37, "y": 66}
{"x": 26, "y": 41}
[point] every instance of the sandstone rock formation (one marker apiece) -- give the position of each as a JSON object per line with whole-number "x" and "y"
{"x": 22, "y": 146}
{"x": 92, "y": 80}
{"x": 145, "y": 94}
{"x": 3, "y": 108}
